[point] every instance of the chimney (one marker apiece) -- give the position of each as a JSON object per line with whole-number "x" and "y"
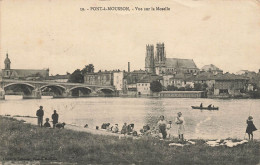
{"x": 128, "y": 66}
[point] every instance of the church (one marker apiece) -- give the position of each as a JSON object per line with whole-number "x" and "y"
{"x": 24, "y": 74}
{"x": 157, "y": 63}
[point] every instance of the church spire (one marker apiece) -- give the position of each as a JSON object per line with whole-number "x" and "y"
{"x": 7, "y": 62}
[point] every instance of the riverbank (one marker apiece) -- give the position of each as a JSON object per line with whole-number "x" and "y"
{"x": 26, "y": 142}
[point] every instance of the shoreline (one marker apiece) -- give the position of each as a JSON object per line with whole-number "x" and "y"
{"x": 23, "y": 141}
{"x": 74, "y": 127}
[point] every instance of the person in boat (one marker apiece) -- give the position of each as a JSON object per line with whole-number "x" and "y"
{"x": 201, "y": 105}
{"x": 209, "y": 106}
{"x": 162, "y": 126}
{"x": 180, "y": 123}
{"x": 47, "y": 124}
{"x": 124, "y": 129}
{"x": 250, "y": 127}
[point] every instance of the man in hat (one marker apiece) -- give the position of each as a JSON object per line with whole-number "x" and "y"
{"x": 180, "y": 123}
{"x": 55, "y": 118}
{"x": 40, "y": 114}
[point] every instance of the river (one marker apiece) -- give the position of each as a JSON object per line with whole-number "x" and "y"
{"x": 228, "y": 121}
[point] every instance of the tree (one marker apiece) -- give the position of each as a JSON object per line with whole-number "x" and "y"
{"x": 156, "y": 86}
{"x": 76, "y": 77}
{"x": 204, "y": 86}
{"x": 88, "y": 69}
{"x": 188, "y": 87}
{"x": 197, "y": 87}
{"x": 172, "y": 88}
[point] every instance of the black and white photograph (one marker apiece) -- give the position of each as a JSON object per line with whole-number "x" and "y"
{"x": 130, "y": 82}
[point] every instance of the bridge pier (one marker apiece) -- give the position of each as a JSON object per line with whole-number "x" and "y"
{"x": 36, "y": 94}
{"x": 2, "y": 94}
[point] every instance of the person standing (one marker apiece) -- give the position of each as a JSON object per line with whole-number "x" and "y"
{"x": 180, "y": 123}
{"x": 40, "y": 114}
{"x": 162, "y": 126}
{"x": 250, "y": 127}
{"x": 55, "y": 118}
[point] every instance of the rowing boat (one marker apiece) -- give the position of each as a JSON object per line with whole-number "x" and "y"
{"x": 204, "y": 108}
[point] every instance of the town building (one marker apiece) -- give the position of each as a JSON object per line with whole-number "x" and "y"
{"x": 24, "y": 74}
{"x": 99, "y": 78}
{"x": 211, "y": 69}
{"x": 230, "y": 85}
{"x": 158, "y": 63}
{"x": 59, "y": 78}
{"x": 118, "y": 81}
{"x": 130, "y": 81}
{"x": 143, "y": 86}
{"x": 182, "y": 80}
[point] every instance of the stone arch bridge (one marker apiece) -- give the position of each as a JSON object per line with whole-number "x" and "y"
{"x": 35, "y": 89}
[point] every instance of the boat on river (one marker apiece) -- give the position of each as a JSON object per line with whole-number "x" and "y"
{"x": 204, "y": 108}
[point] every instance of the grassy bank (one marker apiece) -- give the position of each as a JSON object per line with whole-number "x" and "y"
{"x": 21, "y": 141}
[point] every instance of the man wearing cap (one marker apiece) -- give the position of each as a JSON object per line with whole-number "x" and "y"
{"x": 40, "y": 114}
{"x": 55, "y": 118}
{"x": 180, "y": 122}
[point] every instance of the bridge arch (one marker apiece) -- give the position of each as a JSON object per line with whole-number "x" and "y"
{"x": 18, "y": 87}
{"x": 106, "y": 92}
{"x": 56, "y": 89}
{"x": 81, "y": 87}
{"x": 19, "y": 83}
{"x": 106, "y": 89}
{"x": 80, "y": 91}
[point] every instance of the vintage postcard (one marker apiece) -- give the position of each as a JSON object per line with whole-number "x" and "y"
{"x": 130, "y": 81}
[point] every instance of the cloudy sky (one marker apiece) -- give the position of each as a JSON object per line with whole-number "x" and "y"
{"x": 57, "y": 35}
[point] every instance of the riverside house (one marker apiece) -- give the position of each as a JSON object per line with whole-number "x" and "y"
{"x": 229, "y": 85}
{"x": 143, "y": 86}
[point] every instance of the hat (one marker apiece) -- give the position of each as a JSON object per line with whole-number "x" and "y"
{"x": 179, "y": 113}
{"x": 250, "y": 117}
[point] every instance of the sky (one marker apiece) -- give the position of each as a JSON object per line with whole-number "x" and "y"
{"x": 57, "y": 35}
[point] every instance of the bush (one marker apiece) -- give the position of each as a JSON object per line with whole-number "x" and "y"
{"x": 156, "y": 86}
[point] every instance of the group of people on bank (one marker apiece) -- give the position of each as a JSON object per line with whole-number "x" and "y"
{"x": 54, "y": 116}
{"x": 179, "y": 121}
{"x": 162, "y": 128}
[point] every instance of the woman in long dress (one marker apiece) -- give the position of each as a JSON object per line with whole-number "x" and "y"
{"x": 250, "y": 127}
{"x": 180, "y": 123}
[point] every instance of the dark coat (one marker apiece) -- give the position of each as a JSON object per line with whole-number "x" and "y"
{"x": 40, "y": 113}
{"x": 250, "y": 127}
{"x": 55, "y": 118}
{"x": 47, "y": 124}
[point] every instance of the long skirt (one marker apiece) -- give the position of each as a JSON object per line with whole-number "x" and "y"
{"x": 181, "y": 129}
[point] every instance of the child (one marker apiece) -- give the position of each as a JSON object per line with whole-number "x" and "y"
{"x": 47, "y": 124}
{"x": 250, "y": 127}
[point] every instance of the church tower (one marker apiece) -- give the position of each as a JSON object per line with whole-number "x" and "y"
{"x": 160, "y": 59}
{"x": 149, "y": 59}
{"x": 7, "y": 62}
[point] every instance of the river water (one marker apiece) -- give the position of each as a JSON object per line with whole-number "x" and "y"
{"x": 228, "y": 121}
